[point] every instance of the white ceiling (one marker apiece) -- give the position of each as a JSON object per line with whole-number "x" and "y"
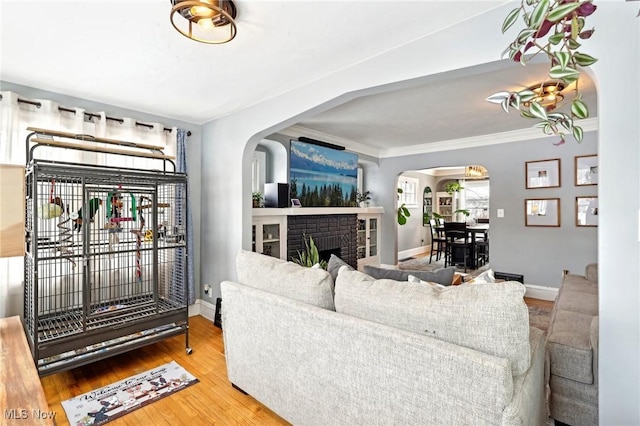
{"x": 127, "y": 54}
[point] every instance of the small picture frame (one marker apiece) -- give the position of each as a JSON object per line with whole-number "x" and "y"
{"x": 295, "y": 202}
{"x": 586, "y": 170}
{"x": 542, "y": 212}
{"x": 587, "y": 211}
{"x": 543, "y": 174}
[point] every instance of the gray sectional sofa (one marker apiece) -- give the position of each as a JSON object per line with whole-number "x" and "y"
{"x": 572, "y": 350}
{"x": 365, "y": 351}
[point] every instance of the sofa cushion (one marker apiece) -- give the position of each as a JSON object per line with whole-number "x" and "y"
{"x": 334, "y": 265}
{"x": 579, "y": 283}
{"x": 569, "y": 346}
{"x": 488, "y": 317}
{"x": 266, "y": 273}
{"x": 577, "y": 301}
{"x": 442, "y": 276}
{"x": 591, "y": 272}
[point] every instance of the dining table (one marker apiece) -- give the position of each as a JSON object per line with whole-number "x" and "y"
{"x": 474, "y": 231}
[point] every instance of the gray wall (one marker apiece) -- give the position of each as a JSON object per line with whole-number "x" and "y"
{"x": 514, "y": 247}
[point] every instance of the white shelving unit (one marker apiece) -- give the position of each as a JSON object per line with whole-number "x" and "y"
{"x": 269, "y": 236}
{"x": 367, "y": 239}
{"x": 445, "y": 205}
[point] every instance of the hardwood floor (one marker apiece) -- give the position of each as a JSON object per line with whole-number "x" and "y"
{"x": 539, "y": 303}
{"x": 212, "y": 401}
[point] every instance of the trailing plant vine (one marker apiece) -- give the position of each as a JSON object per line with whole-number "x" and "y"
{"x": 553, "y": 28}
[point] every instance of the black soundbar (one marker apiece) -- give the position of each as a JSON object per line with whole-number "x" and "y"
{"x": 320, "y": 143}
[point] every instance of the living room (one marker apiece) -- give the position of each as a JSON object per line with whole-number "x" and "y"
{"x": 223, "y": 181}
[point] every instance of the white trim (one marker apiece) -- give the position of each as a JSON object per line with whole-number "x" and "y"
{"x": 473, "y": 142}
{"x": 541, "y": 292}
{"x": 207, "y": 309}
{"x": 587, "y": 125}
{"x": 411, "y": 252}
{"x": 204, "y": 308}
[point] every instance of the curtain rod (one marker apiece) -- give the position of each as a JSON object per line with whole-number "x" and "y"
{"x": 92, "y": 115}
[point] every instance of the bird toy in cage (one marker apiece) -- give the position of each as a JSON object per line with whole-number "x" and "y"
{"x": 54, "y": 208}
{"x": 65, "y": 243}
{"x": 85, "y": 213}
{"x": 139, "y": 233}
{"x": 115, "y": 206}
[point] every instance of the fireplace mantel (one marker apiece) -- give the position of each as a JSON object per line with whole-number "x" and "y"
{"x": 302, "y": 211}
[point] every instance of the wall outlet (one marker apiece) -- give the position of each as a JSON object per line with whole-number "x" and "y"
{"x": 500, "y": 213}
{"x": 207, "y": 290}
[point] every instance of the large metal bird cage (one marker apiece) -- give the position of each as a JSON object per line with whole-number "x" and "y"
{"x": 105, "y": 253}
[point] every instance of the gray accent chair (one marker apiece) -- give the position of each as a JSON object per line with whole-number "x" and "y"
{"x": 572, "y": 350}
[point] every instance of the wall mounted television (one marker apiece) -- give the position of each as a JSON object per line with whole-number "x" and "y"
{"x": 321, "y": 176}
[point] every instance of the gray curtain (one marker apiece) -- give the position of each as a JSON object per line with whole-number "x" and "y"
{"x": 181, "y": 165}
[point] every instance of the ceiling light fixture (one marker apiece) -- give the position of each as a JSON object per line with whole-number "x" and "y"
{"x": 206, "y": 21}
{"x": 547, "y": 94}
{"x": 475, "y": 172}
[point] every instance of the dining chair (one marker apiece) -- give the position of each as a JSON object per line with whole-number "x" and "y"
{"x": 481, "y": 251}
{"x": 438, "y": 240}
{"x": 457, "y": 245}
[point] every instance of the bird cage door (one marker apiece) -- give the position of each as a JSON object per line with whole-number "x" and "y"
{"x": 121, "y": 265}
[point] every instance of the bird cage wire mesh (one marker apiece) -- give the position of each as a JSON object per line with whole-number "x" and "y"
{"x": 105, "y": 260}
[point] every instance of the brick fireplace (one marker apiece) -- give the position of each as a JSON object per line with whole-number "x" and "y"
{"x": 332, "y": 234}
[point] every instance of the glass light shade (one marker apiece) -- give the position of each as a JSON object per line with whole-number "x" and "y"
{"x": 475, "y": 172}
{"x": 206, "y": 21}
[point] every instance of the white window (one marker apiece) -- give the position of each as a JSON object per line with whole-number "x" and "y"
{"x": 255, "y": 175}
{"x": 409, "y": 195}
{"x": 258, "y": 171}
{"x": 476, "y": 197}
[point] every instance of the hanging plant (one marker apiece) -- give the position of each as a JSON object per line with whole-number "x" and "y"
{"x": 553, "y": 28}
{"x": 452, "y": 187}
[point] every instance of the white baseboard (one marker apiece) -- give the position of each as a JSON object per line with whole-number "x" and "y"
{"x": 204, "y": 308}
{"x": 541, "y": 292}
{"x": 412, "y": 252}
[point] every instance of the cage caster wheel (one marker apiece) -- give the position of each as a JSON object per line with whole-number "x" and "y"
{"x": 189, "y": 351}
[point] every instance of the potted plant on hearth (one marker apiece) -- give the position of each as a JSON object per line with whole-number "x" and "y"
{"x": 310, "y": 256}
{"x": 257, "y": 198}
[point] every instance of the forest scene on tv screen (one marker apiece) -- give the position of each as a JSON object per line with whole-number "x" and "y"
{"x": 322, "y": 177}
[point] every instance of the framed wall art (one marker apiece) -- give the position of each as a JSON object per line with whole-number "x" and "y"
{"x": 543, "y": 174}
{"x": 586, "y": 170}
{"x": 542, "y": 212}
{"x": 587, "y": 211}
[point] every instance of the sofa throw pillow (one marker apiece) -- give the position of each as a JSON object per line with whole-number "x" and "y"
{"x": 277, "y": 276}
{"x": 442, "y": 276}
{"x": 485, "y": 277}
{"x": 334, "y": 265}
{"x": 490, "y": 317}
{"x": 417, "y": 280}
